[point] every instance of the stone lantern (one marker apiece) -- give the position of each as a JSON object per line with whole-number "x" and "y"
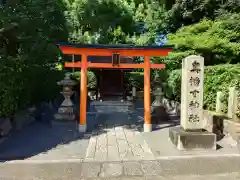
{"x": 66, "y": 110}
{"x": 158, "y": 91}
{"x": 158, "y": 111}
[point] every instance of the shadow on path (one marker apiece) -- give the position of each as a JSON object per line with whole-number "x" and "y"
{"x": 115, "y": 113}
{"x": 111, "y": 114}
{"x": 34, "y": 139}
{"x": 40, "y": 137}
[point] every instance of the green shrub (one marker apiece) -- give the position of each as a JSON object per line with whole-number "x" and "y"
{"x": 216, "y": 78}
{"x": 91, "y": 77}
{"x": 135, "y": 79}
{"x": 25, "y": 85}
{"x": 27, "y": 76}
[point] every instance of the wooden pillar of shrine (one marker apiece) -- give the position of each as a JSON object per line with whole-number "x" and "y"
{"x": 83, "y": 95}
{"x": 147, "y": 95}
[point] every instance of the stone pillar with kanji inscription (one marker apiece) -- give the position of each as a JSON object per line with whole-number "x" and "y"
{"x": 191, "y": 135}
{"x": 192, "y": 93}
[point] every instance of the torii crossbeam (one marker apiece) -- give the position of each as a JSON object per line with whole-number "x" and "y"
{"x": 115, "y": 51}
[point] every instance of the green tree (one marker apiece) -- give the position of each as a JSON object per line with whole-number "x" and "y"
{"x": 217, "y": 41}
{"x": 187, "y": 12}
{"x": 101, "y": 18}
{"x": 26, "y": 74}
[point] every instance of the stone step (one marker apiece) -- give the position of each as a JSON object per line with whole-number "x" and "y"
{"x": 110, "y": 103}
{"x": 111, "y": 106}
{"x": 227, "y": 167}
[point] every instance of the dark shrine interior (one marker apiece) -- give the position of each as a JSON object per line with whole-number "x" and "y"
{"x": 110, "y": 82}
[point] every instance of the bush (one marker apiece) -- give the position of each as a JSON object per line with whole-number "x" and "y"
{"x": 91, "y": 77}
{"x": 216, "y": 78}
{"x": 135, "y": 79}
{"x": 28, "y": 52}
{"x": 25, "y": 85}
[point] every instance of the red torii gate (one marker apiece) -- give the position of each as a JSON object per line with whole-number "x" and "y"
{"x": 115, "y": 51}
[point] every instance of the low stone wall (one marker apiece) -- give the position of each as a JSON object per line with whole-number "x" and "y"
{"x": 20, "y": 120}
{"x": 23, "y": 118}
{"x": 214, "y": 123}
{"x": 17, "y": 122}
{"x": 220, "y": 124}
{"x": 233, "y": 129}
{"x": 5, "y": 126}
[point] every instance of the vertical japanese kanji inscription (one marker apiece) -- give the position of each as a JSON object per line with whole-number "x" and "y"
{"x": 192, "y": 93}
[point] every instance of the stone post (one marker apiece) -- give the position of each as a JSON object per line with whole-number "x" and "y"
{"x": 134, "y": 93}
{"x": 158, "y": 110}
{"x": 219, "y": 103}
{"x": 133, "y": 99}
{"x": 192, "y": 93}
{"x": 191, "y": 134}
{"x": 66, "y": 110}
{"x": 232, "y": 103}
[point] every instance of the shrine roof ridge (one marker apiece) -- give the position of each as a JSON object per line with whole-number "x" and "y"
{"x": 114, "y": 46}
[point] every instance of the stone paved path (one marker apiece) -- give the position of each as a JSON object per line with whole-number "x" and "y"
{"x": 118, "y": 137}
{"x": 118, "y": 144}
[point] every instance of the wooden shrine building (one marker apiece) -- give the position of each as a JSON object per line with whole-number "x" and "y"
{"x": 113, "y": 60}
{"x": 110, "y": 81}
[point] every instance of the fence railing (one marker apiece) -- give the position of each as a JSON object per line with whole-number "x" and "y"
{"x": 233, "y": 104}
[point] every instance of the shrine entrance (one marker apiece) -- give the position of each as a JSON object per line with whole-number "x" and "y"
{"x": 112, "y": 71}
{"x": 111, "y": 83}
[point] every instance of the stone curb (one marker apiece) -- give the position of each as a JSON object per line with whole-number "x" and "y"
{"x": 188, "y": 166}
{"x": 233, "y": 128}
{"x": 219, "y": 124}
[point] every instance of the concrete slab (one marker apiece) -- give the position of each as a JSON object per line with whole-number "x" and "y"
{"x": 193, "y": 140}
{"x": 223, "y": 168}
